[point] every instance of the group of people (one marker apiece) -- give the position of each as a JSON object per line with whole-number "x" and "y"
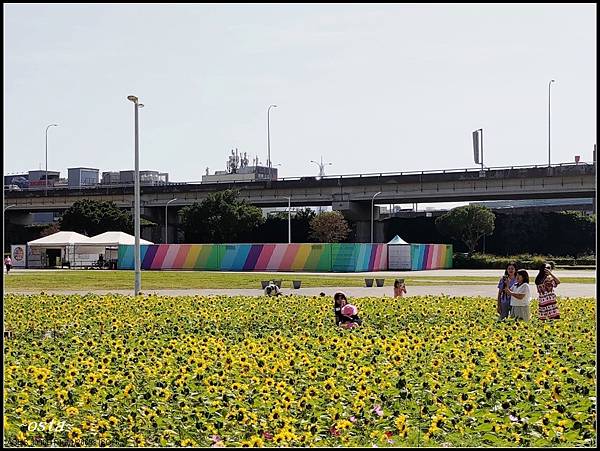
{"x": 346, "y": 314}
{"x": 514, "y": 296}
{"x": 514, "y": 293}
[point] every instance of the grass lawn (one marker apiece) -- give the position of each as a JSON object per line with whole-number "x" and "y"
{"x": 156, "y": 280}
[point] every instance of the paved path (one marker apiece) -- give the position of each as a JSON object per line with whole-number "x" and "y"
{"x": 564, "y": 290}
{"x": 382, "y": 274}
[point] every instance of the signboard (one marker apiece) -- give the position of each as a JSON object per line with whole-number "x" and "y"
{"x": 399, "y": 256}
{"x": 18, "y": 255}
{"x": 476, "y": 148}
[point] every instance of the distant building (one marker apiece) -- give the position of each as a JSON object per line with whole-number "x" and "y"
{"x": 584, "y": 204}
{"x": 82, "y": 177}
{"x": 37, "y": 178}
{"x": 127, "y": 178}
{"x": 245, "y": 174}
{"x": 110, "y": 178}
{"x": 19, "y": 180}
{"x": 238, "y": 170}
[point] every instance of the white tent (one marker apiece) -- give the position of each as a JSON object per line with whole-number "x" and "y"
{"x": 62, "y": 238}
{"x": 114, "y": 239}
{"x": 399, "y": 254}
{"x": 106, "y": 245}
{"x": 53, "y": 250}
{"x": 397, "y": 240}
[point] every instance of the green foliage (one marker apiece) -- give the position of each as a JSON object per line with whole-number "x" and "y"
{"x": 91, "y": 217}
{"x": 220, "y": 218}
{"x": 558, "y": 233}
{"x": 329, "y": 227}
{"x": 275, "y": 227}
{"x": 50, "y": 230}
{"x": 525, "y": 261}
{"x": 467, "y": 224}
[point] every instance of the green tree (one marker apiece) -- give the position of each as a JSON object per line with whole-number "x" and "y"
{"x": 329, "y": 227}
{"x": 220, "y": 218}
{"x": 301, "y": 225}
{"x": 50, "y": 230}
{"x": 91, "y": 217}
{"x": 467, "y": 224}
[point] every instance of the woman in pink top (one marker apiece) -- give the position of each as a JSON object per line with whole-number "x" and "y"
{"x": 546, "y": 282}
{"x": 399, "y": 288}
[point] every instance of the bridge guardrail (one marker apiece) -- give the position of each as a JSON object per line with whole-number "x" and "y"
{"x": 301, "y": 178}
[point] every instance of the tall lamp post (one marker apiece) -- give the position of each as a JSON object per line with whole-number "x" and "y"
{"x": 166, "y": 224}
{"x": 321, "y": 166}
{"x": 46, "y": 186}
{"x": 549, "y": 84}
{"x": 289, "y": 218}
{"x": 269, "y": 137}
{"x": 372, "y": 214}
{"x": 136, "y": 209}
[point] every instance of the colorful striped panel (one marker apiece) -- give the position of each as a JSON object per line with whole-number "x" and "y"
{"x": 341, "y": 257}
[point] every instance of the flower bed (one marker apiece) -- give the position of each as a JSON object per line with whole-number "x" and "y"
{"x": 243, "y": 371}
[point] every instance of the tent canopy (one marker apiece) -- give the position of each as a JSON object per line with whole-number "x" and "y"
{"x": 62, "y": 238}
{"x": 397, "y": 240}
{"x": 113, "y": 239}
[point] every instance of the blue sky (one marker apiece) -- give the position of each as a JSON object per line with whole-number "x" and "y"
{"x": 371, "y": 88}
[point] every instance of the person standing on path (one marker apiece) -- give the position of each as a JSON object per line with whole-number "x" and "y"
{"x": 520, "y": 297}
{"x": 509, "y": 279}
{"x": 546, "y": 282}
{"x": 7, "y": 263}
{"x": 399, "y": 288}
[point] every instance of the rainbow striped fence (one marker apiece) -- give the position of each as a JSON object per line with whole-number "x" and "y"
{"x": 326, "y": 257}
{"x": 430, "y": 256}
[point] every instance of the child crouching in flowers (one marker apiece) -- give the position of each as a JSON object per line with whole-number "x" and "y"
{"x": 346, "y": 315}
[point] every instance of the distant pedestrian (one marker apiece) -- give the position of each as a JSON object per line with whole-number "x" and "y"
{"x": 520, "y": 297}
{"x": 546, "y": 282}
{"x": 7, "y": 263}
{"x": 509, "y": 279}
{"x": 339, "y": 300}
{"x": 399, "y": 288}
{"x": 272, "y": 290}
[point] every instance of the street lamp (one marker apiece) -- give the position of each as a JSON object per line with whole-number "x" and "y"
{"x": 46, "y": 188}
{"x": 549, "y": 84}
{"x": 166, "y": 216}
{"x": 269, "y": 138}
{"x": 321, "y": 166}
{"x": 136, "y": 216}
{"x": 372, "y": 214}
{"x": 289, "y": 218}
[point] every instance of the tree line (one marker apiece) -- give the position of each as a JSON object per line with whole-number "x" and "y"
{"x": 225, "y": 218}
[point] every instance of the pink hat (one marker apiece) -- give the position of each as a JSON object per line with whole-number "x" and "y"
{"x": 349, "y": 310}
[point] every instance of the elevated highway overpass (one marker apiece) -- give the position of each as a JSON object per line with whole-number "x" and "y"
{"x": 350, "y": 194}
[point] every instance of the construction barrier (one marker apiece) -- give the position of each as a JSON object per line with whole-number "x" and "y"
{"x": 307, "y": 257}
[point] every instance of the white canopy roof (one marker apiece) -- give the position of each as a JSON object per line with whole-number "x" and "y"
{"x": 397, "y": 240}
{"x": 62, "y": 238}
{"x": 113, "y": 239}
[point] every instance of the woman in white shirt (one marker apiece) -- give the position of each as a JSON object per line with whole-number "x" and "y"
{"x": 520, "y": 297}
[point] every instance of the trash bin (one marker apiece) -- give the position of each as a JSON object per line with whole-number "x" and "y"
{"x": 264, "y": 283}
{"x": 369, "y": 282}
{"x": 278, "y": 283}
{"x": 297, "y": 283}
{"x": 379, "y": 282}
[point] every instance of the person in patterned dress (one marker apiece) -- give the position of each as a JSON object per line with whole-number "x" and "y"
{"x": 546, "y": 282}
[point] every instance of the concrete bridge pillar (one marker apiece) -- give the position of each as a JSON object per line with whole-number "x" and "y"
{"x": 359, "y": 212}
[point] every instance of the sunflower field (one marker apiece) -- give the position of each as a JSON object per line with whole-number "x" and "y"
{"x": 109, "y": 370}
